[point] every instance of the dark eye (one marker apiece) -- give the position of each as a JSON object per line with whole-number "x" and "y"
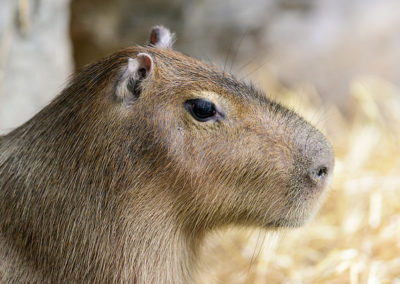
{"x": 201, "y": 109}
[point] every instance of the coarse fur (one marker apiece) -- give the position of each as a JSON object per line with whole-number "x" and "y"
{"x": 115, "y": 181}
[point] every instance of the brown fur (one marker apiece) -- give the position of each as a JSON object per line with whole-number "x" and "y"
{"x": 92, "y": 190}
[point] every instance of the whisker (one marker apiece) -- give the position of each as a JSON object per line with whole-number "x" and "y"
{"x": 235, "y": 51}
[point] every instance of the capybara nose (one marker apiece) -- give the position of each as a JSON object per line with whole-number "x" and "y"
{"x": 318, "y": 173}
{"x": 322, "y": 160}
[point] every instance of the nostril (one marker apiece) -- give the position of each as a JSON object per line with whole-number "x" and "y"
{"x": 318, "y": 173}
{"x": 322, "y": 171}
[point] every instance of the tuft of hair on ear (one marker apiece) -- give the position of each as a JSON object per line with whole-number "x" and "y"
{"x": 161, "y": 37}
{"x": 129, "y": 87}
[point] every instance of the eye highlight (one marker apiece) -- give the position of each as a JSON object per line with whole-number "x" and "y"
{"x": 202, "y": 110}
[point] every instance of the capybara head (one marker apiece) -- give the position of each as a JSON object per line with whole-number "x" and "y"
{"x": 119, "y": 177}
{"x": 222, "y": 150}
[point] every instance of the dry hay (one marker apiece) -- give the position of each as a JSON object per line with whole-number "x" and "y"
{"x": 355, "y": 236}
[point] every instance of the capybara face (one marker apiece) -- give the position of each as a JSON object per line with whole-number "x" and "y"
{"x": 224, "y": 151}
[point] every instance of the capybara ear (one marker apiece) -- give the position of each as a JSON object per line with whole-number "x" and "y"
{"x": 129, "y": 87}
{"x": 161, "y": 37}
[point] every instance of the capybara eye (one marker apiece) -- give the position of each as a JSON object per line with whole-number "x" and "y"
{"x": 201, "y": 109}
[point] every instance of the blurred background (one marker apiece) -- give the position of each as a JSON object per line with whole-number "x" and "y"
{"x": 335, "y": 62}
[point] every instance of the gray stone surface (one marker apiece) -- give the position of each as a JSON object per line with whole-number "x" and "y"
{"x": 35, "y": 57}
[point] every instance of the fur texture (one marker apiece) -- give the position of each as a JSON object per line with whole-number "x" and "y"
{"x": 97, "y": 191}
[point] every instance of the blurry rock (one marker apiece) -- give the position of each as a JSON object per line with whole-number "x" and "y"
{"x": 335, "y": 43}
{"x": 35, "y": 57}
